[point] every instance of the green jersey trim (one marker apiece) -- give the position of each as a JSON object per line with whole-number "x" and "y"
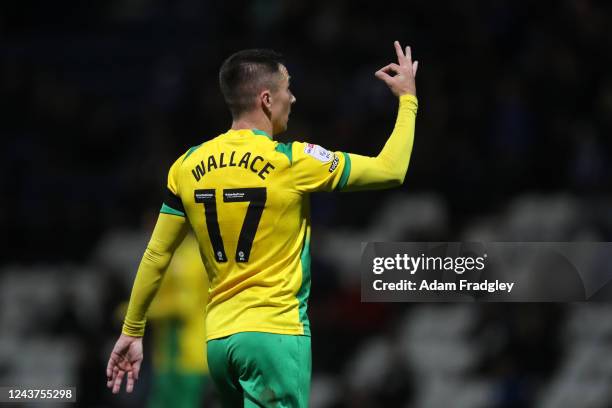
{"x": 191, "y": 150}
{"x": 261, "y": 133}
{"x": 304, "y": 291}
{"x": 286, "y": 149}
{"x": 169, "y": 210}
{"x": 346, "y": 172}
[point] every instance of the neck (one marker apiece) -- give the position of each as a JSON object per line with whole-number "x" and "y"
{"x": 253, "y": 121}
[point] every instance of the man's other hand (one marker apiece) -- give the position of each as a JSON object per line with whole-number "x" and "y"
{"x": 124, "y": 361}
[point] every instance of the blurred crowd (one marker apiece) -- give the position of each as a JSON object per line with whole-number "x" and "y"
{"x": 99, "y": 98}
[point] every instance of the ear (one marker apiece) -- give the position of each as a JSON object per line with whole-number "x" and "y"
{"x": 266, "y": 98}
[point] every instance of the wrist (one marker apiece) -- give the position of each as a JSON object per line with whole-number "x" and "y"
{"x": 407, "y": 97}
{"x": 130, "y": 336}
{"x": 408, "y": 102}
{"x": 132, "y": 332}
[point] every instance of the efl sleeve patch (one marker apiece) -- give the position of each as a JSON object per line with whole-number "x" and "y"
{"x": 318, "y": 152}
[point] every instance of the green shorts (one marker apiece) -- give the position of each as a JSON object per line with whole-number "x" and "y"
{"x": 254, "y": 369}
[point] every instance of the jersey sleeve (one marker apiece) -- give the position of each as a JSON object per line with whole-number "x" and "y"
{"x": 168, "y": 233}
{"x": 315, "y": 168}
{"x": 173, "y": 204}
{"x": 389, "y": 167}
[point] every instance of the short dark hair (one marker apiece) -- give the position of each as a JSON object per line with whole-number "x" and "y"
{"x": 244, "y": 74}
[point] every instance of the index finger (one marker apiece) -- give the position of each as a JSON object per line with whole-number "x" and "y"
{"x": 400, "y": 54}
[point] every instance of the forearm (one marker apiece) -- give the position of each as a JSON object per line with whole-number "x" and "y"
{"x": 168, "y": 232}
{"x": 389, "y": 168}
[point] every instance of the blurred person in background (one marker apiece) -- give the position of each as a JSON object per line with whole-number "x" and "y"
{"x": 177, "y": 315}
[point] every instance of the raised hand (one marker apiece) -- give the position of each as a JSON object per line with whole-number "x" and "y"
{"x": 400, "y": 77}
{"x": 124, "y": 361}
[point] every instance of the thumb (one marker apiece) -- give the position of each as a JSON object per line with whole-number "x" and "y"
{"x": 415, "y": 67}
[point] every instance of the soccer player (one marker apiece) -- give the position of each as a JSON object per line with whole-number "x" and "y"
{"x": 246, "y": 197}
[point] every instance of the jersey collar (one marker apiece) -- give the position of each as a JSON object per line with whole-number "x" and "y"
{"x": 261, "y": 133}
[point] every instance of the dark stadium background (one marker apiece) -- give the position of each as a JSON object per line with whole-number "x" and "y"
{"x": 512, "y": 143}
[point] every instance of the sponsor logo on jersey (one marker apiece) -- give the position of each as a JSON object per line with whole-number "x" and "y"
{"x": 334, "y": 163}
{"x": 319, "y": 153}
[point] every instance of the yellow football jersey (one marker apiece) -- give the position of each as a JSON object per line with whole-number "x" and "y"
{"x": 246, "y": 198}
